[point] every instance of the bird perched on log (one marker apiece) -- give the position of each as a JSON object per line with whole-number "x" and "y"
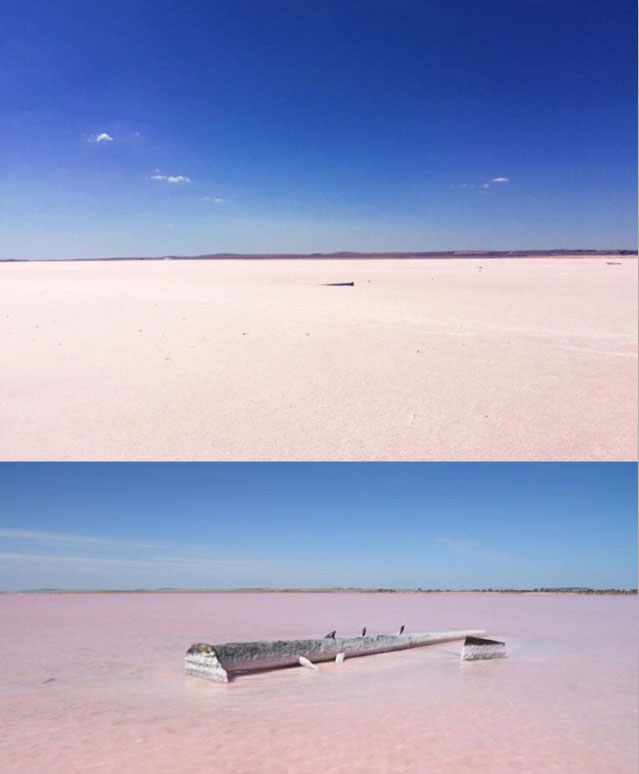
{"x": 364, "y": 632}
{"x": 401, "y": 629}
{"x": 331, "y": 635}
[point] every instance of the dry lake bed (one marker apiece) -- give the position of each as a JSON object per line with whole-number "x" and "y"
{"x": 462, "y": 359}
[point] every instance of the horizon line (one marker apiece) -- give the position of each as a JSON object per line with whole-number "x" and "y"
{"x": 352, "y": 254}
{"x": 332, "y": 589}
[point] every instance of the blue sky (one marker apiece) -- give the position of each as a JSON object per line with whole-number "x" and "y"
{"x": 149, "y": 128}
{"x": 429, "y": 525}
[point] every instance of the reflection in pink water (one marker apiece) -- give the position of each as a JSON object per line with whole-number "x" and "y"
{"x": 95, "y": 683}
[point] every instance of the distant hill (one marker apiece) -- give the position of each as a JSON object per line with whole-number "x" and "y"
{"x": 330, "y": 590}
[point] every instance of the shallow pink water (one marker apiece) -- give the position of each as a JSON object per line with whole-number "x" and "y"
{"x": 565, "y": 700}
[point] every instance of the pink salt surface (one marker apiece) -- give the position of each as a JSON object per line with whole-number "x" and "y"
{"x": 474, "y": 359}
{"x": 117, "y": 699}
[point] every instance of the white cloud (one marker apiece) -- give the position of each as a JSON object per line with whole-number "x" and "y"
{"x": 215, "y": 200}
{"x": 489, "y": 184}
{"x": 172, "y": 178}
{"x": 102, "y": 137}
{"x": 498, "y": 180}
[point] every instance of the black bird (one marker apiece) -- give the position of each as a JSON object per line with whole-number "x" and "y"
{"x": 364, "y": 632}
{"x": 401, "y": 629}
{"x": 330, "y": 635}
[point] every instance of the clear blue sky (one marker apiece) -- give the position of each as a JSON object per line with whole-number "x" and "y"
{"x": 316, "y": 125}
{"x": 430, "y": 525}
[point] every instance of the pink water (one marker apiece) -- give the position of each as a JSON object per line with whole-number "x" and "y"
{"x": 565, "y": 700}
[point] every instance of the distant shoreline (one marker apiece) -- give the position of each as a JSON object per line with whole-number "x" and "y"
{"x": 345, "y": 255}
{"x": 266, "y": 590}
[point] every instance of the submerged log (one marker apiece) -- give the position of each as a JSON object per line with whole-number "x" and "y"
{"x": 476, "y": 648}
{"x": 216, "y": 662}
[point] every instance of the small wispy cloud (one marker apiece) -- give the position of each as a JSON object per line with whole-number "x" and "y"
{"x": 141, "y": 561}
{"x": 488, "y": 184}
{"x": 172, "y": 178}
{"x": 65, "y": 548}
{"x": 62, "y": 538}
{"x": 32, "y": 559}
{"x": 102, "y": 137}
{"x": 214, "y": 199}
{"x": 496, "y": 181}
{"x": 462, "y": 545}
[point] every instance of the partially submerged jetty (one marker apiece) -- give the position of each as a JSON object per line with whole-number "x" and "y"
{"x": 217, "y": 662}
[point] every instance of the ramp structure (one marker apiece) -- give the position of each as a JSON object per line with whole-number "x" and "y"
{"x": 476, "y": 648}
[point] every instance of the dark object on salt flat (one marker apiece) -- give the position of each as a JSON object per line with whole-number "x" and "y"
{"x": 330, "y": 635}
{"x": 339, "y": 284}
{"x": 364, "y": 632}
{"x": 216, "y": 662}
{"x": 477, "y": 648}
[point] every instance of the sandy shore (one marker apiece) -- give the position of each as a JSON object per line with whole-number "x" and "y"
{"x": 513, "y": 359}
{"x": 96, "y": 683}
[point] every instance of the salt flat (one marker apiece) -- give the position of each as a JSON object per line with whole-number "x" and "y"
{"x": 469, "y": 359}
{"x": 96, "y": 683}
